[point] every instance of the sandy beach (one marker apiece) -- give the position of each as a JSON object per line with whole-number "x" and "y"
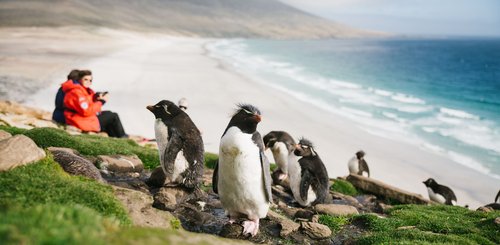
{"x": 139, "y": 70}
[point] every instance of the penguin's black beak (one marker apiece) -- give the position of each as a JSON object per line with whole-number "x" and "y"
{"x": 150, "y": 107}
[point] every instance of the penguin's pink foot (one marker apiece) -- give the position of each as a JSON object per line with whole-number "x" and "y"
{"x": 250, "y": 227}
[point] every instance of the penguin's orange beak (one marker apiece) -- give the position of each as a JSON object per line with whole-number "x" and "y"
{"x": 258, "y": 118}
{"x": 149, "y": 107}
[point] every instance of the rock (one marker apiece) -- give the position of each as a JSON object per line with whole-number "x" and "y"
{"x": 315, "y": 218}
{"x": 485, "y": 209}
{"x": 167, "y": 198}
{"x": 497, "y": 221}
{"x": 382, "y": 207}
{"x": 289, "y": 211}
{"x": 304, "y": 214}
{"x": 4, "y": 135}
{"x": 316, "y": 230}
{"x": 193, "y": 219}
{"x": 18, "y": 151}
{"x": 335, "y": 209}
{"x": 381, "y": 189}
{"x": 231, "y": 231}
{"x": 68, "y": 150}
{"x": 279, "y": 193}
{"x": 287, "y": 226}
{"x": 140, "y": 209}
{"x": 157, "y": 178}
{"x": 75, "y": 164}
{"x": 121, "y": 163}
{"x": 406, "y": 227}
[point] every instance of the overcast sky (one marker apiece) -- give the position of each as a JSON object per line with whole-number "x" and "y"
{"x": 421, "y": 17}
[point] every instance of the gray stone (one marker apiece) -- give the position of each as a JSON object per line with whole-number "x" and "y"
{"x": 18, "y": 150}
{"x": 287, "y": 225}
{"x": 335, "y": 209}
{"x": 316, "y": 230}
{"x": 4, "y": 135}
{"x": 121, "y": 163}
{"x": 381, "y": 189}
{"x": 75, "y": 164}
{"x": 167, "y": 198}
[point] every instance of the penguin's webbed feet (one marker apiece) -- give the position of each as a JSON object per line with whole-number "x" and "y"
{"x": 251, "y": 227}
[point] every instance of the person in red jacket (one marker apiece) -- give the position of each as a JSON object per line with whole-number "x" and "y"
{"x": 82, "y": 108}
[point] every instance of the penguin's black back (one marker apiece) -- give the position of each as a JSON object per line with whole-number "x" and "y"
{"x": 444, "y": 191}
{"x": 319, "y": 176}
{"x": 281, "y": 136}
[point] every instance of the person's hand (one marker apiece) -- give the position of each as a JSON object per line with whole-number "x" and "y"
{"x": 103, "y": 96}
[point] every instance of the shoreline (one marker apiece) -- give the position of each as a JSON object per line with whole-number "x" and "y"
{"x": 146, "y": 69}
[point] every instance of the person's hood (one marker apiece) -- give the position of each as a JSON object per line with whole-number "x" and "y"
{"x": 71, "y": 84}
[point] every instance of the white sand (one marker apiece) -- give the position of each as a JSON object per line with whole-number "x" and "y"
{"x": 150, "y": 68}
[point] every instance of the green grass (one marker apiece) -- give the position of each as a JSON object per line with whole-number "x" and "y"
{"x": 12, "y": 130}
{"x": 210, "y": 160}
{"x": 45, "y": 182}
{"x": 273, "y": 167}
{"x": 433, "y": 224}
{"x": 344, "y": 187}
{"x": 335, "y": 223}
{"x": 54, "y": 224}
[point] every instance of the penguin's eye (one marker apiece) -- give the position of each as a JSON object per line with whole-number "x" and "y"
{"x": 247, "y": 111}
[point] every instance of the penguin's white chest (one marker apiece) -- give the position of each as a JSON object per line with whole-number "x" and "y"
{"x": 436, "y": 196}
{"x": 280, "y": 154}
{"x": 241, "y": 183}
{"x": 295, "y": 176}
{"x": 181, "y": 164}
{"x": 353, "y": 165}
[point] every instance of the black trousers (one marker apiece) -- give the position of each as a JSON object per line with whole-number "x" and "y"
{"x": 111, "y": 124}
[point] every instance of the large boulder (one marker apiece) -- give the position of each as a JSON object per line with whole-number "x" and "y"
{"x": 75, "y": 164}
{"x": 381, "y": 189}
{"x": 18, "y": 151}
{"x": 335, "y": 209}
{"x": 121, "y": 163}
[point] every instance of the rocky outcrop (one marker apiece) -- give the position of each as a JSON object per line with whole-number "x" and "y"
{"x": 335, "y": 209}
{"x": 167, "y": 198}
{"x": 120, "y": 163}
{"x": 4, "y": 135}
{"x": 286, "y": 225}
{"x": 75, "y": 164}
{"x": 381, "y": 189}
{"x": 17, "y": 151}
{"x": 140, "y": 209}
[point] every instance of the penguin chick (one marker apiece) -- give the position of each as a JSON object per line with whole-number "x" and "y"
{"x": 357, "y": 165}
{"x": 180, "y": 145}
{"x": 440, "y": 193}
{"x": 281, "y": 144}
{"x": 313, "y": 185}
{"x": 241, "y": 177}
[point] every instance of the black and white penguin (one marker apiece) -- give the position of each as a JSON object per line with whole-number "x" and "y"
{"x": 496, "y": 204}
{"x": 179, "y": 144}
{"x": 440, "y": 193}
{"x": 281, "y": 145}
{"x": 308, "y": 176}
{"x": 242, "y": 176}
{"x": 357, "y": 165}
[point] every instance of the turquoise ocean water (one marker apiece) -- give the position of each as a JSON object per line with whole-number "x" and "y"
{"x": 441, "y": 95}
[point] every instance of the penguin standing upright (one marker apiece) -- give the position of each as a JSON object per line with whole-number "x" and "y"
{"x": 357, "y": 165}
{"x": 241, "y": 177}
{"x": 281, "y": 145}
{"x": 496, "y": 204}
{"x": 180, "y": 145}
{"x": 440, "y": 193}
{"x": 309, "y": 179}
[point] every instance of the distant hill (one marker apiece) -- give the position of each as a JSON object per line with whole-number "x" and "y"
{"x": 207, "y": 18}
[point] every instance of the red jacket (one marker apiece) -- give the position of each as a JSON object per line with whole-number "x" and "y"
{"x": 80, "y": 108}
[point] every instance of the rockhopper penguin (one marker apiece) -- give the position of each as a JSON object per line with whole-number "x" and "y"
{"x": 440, "y": 193}
{"x": 357, "y": 165}
{"x": 242, "y": 176}
{"x": 180, "y": 145}
{"x": 281, "y": 145}
{"x": 309, "y": 179}
{"x": 496, "y": 204}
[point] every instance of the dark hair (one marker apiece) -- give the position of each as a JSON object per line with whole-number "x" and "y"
{"x": 73, "y": 74}
{"x": 83, "y": 73}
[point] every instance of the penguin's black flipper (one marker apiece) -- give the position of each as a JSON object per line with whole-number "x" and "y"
{"x": 264, "y": 162}
{"x": 170, "y": 154}
{"x": 305, "y": 182}
{"x": 215, "y": 178}
{"x": 363, "y": 167}
{"x": 498, "y": 195}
